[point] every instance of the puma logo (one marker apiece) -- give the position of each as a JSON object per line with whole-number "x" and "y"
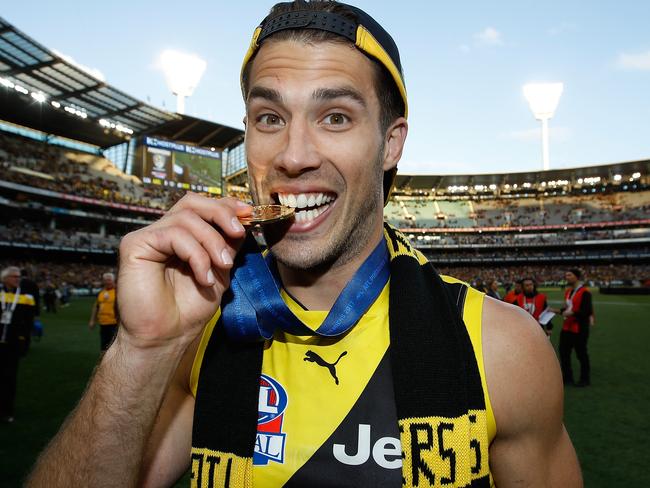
{"x": 312, "y": 357}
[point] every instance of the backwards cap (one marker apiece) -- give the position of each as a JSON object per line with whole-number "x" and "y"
{"x": 365, "y": 33}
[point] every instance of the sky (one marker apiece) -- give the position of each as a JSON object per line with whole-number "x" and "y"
{"x": 465, "y": 63}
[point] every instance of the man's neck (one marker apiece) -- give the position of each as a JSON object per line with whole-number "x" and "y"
{"x": 318, "y": 290}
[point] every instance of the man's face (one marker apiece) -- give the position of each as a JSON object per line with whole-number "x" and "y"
{"x": 313, "y": 142}
{"x": 529, "y": 287}
{"x": 109, "y": 282}
{"x": 517, "y": 288}
{"x": 571, "y": 279}
{"x": 12, "y": 280}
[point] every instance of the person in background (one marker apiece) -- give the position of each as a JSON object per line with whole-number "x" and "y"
{"x": 577, "y": 312}
{"x": 49, "y": 297}
{"x": 105, "y": 312}
{"x": 18, "y": 309}
{"x": 533, "y": 302}
{"x": 30, "y": 287}
{"x": 511, "y": 296}
{"x": 493, "y": 290}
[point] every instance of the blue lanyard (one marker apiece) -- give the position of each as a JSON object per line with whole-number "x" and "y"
{"x": 252, "y": 309}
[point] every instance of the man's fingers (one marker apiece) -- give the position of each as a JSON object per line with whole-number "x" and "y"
{"x": 221, "y": 250}
{"x": 182, "y": 244}
{"x": 221, "y": 212}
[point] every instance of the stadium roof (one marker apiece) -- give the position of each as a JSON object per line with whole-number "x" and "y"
{"x": 436, "y": 182}
{"x": 42, "y": 90}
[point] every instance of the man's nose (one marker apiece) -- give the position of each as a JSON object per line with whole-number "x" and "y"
{"x": 300, "y": 153}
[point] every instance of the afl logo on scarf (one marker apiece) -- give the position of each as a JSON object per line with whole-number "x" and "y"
{"x": 270, "y": 440}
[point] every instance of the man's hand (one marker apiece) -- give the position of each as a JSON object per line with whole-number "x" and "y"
{"x": 171, "y": 279}
{"x": 173, "y": 273}
{"x": 91, "y": 325}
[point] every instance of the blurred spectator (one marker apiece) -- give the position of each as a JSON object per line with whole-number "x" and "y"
{"x": 50, "y": 297}
{"x": 512, "y": 295}
{"x": 534, "y": 302}
{"x": 18, "y": 309}
{"x": 577, "y": 312}
{"x": 493, "y": 289}
{"x": 105, "y": 312}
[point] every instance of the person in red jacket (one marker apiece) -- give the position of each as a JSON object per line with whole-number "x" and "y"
{"x": 577, "y": 314}
{"x": 511, "y": 296}
{"x": 533, "y": 302}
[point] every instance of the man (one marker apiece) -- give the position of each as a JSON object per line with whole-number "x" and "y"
{"x": 382, "y": 400}
{"x": 105, "y": 312}
{"x": 18, "y": 309}
{"x": 493, "y": 290}
{"x": 534, "y": 302}
{"x": 511, "y": 296}
{"x": 577, "y": 312}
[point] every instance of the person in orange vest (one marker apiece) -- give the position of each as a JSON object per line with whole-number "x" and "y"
{"x": 105, "y": 312}
{"x": 533, "y": 302}
{"x": 577, "y": 312}
{"x": 511, "y": 296}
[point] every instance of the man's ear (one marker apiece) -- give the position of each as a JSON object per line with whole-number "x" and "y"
{"x": 245, "y": 120}
{"x": 394, "y": 143}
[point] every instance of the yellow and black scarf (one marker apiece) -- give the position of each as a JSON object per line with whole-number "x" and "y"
{"x": 438, "y": 393}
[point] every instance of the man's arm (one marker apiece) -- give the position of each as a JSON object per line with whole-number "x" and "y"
{"x": 172, "y": 276}
{"x": 532, "y": 447}
{"x": 102, "y": 441}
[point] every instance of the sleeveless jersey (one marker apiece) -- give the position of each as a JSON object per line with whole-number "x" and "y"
{"x": 327, "y": 414}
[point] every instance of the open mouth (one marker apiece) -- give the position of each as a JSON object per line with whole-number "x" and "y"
{"x": 308, "y": 206}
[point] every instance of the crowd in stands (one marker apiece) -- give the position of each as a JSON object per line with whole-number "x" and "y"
{"x": 58, "y": 275}
{"x": 24, "y": 232}
{"x": 516, "y": 239}
{"x": 422, "y": 213}
{"x": 599, "y": 274}
{"x": 64, "y": 171}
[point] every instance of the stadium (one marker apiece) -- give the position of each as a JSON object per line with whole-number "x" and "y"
{"x": 83, "y": 163}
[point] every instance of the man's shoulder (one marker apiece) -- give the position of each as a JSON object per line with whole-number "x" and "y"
{"x": 521, "y": 367}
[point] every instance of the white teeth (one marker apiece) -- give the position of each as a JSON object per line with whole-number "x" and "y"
{"x": 304, "y": 200}
{"x": 309, "y": 215}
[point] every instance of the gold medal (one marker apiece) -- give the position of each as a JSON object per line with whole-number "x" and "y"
{"x": 265, "y": 214}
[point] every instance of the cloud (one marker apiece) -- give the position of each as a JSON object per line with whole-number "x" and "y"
{"x": 489, "y": 37}
{"x": 638, "y": 61}
{"x": 558, "y": 134}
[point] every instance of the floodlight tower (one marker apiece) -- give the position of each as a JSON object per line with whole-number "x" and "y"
{"x": 543, "y": 99}
{"x": 182, "y": 73}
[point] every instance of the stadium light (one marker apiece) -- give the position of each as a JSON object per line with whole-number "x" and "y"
{"x": 182, "y": 73}
{"x": 543, "y": 99}
{"x": 39, "y": 96}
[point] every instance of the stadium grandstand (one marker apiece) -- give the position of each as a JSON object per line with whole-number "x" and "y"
{"x": 84, "y": 163}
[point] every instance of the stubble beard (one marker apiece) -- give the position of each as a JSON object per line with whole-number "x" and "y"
{"x": 345, "y": 243}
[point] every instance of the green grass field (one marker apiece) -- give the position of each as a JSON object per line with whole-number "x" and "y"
{"x": 608, "y": 422}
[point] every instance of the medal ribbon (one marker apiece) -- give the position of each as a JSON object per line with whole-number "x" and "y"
{"x": 252, "y": 309}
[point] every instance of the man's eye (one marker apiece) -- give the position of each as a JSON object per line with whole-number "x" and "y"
{"x": 269, "y": 119}
{"x": 336, "y": 119}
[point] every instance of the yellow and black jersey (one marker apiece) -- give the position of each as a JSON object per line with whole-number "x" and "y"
{"x": 327, "y": 414}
